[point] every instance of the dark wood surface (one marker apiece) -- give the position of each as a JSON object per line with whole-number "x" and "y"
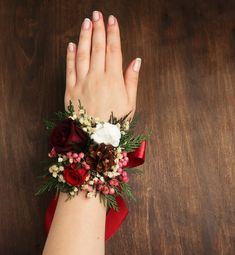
{"x": 186, "y": 198}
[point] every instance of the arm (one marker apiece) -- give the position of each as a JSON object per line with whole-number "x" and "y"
{"x": 78, "y": 226}
{"x": 94, "y": 75}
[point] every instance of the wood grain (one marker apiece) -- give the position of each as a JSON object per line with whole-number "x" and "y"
{"x": 186, "y": 198}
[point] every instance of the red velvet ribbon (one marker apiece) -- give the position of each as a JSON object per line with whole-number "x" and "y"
{"x": 114, "y": 219}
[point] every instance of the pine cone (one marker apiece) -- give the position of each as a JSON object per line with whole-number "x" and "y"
{"x": 101, "y": 157}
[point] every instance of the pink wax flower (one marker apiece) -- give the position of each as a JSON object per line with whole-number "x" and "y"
{"x": 52, "y": 153}
{"x": 114, "y": 182}
{"x": 111, "y": 191}
{"x": 125, "y": 179}
{"x": 105, "y": 190}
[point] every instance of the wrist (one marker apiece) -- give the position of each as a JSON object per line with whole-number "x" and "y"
{"x": 81, "y": 202}
{"x": 92, "y": 156}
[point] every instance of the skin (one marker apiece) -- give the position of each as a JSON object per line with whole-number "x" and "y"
{"x": 94, "y": 75}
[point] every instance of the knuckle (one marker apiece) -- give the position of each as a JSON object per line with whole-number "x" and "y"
{"x": 70, "y": 57}
{"x": 98, "y": 47}
{"x": 134, "y": 78}
{"x": 70, "y": 70}
{"x": 99, "y": 28}
{"x": 83, "y": 37}
{"x": 82, "y": 55}
{"x": 113, "y": 48}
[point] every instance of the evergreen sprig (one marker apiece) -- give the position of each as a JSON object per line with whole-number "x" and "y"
{"x": 110, "y": 201}
{"x": 127, "y": 191}
{"x": 71, "y": 107}
{"x": 48, "y": 184}
{"x": 49, "y": 124}
{"x": 133, "y": 142}
{"x": 61, "y": 115}
{"x": 114, "y": 120}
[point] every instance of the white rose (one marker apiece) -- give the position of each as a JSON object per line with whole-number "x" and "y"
{"x": 107, "y": 133}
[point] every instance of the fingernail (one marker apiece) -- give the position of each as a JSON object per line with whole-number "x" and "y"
{"x": 86, "y": 23}
{"x": 111, "y": 20}
{"x": 71, "y": 46}
{"x": 137, "y": 64}
{"x": 95, "y": 15}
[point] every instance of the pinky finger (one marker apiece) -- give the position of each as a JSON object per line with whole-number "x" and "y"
{"x": 71, "y": 65}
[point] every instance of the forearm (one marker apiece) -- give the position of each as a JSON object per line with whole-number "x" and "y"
{"x": 78, "y": 227}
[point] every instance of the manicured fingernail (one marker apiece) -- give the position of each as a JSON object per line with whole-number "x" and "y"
{"x": 137, "y": 64}
{"x": 111, "y": 20}
{"x": 95, "y": 15}
{"x": 86, "y": 23}
{"x": 71, "y": 46}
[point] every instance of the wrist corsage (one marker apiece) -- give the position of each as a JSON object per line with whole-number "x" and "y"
{"x": 92, "y": 155}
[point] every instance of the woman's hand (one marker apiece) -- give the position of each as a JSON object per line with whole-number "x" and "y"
{"x": 94, "y": 71}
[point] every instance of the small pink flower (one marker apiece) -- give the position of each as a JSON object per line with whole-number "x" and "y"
{"x": 124, "y": 154}
{"x": 124, "y": 163}
{"x": 105, "y": 190}
{"x": 124, "y": 173}
{"x": 114, "y": 182}
{"x": 111, "y": 191}
{"x": 87, "y": 167}
{"x": 69, "y": 154}
{"x": 81, "y": 155}
{"x": 52, "y": 153}
{"x": 125, "y": 179}
{"x": 120, "y": 170}
{"x": 100, "y": 187}
{"x": 126, "y": 159}
{"x": 75, "y": 155}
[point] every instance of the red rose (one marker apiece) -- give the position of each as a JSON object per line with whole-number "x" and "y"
{"x": 65, "y": 135}
{"x": 75, "y": 177}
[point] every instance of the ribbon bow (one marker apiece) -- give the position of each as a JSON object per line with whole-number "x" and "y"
{"x": 114, "y": 219}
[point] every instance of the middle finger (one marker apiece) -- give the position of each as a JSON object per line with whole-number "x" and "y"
{"x": 97, "y": 63}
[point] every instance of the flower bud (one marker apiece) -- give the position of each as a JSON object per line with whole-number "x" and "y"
{"x": 125, "y": 179}
{"x": 111, "y": 191}
{"x": 124, "y": 173}
{"x": 105, "y": 190}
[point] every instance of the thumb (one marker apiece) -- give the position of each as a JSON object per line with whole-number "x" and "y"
{"x": 131, "y": 79}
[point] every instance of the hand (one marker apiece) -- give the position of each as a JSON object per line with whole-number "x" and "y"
{"x": 94, "y": 71}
